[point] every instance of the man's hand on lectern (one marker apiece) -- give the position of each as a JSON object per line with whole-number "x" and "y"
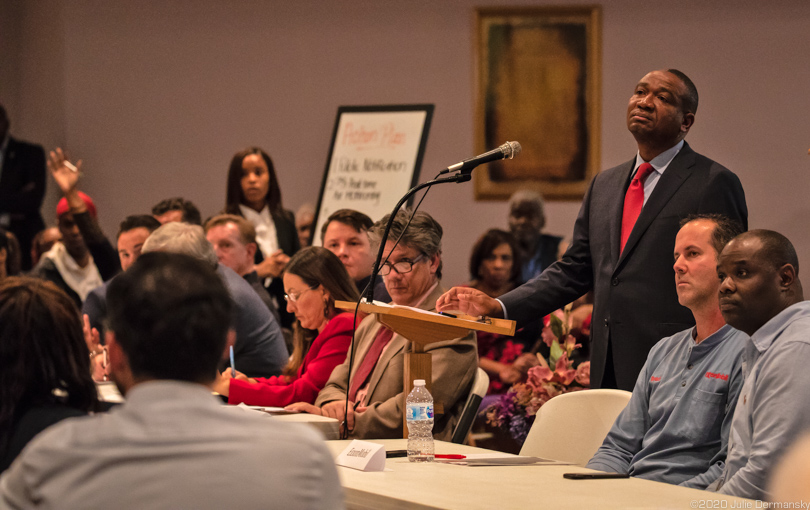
{"x": 469, "y": 301}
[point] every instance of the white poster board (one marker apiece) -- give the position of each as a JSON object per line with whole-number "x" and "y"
{"x": 374, "y": 159}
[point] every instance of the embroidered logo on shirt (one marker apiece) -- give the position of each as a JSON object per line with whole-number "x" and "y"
{"x": 654, "y": 379}
{"x": 712, "y": 375}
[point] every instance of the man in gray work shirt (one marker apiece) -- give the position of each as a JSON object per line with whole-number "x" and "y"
{"x": 675, "y": 427}
{"x": 760, "y": 293}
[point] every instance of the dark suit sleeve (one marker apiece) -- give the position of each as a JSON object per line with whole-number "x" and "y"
{"x": 724, "y": 195}
{"x": 286, "y": 233}
{"x": 22, "y": 193}
{"x": 562, "y": 282}
{"x": 104, "y": 255}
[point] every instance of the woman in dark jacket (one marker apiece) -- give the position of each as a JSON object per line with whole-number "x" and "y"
{"x": 253, "y": 193}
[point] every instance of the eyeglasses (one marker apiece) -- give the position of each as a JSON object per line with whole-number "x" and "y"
{"x": 293, "y": 298}
{"x": 401, "y": 267}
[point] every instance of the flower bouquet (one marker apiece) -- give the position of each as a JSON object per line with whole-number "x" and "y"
{"x": 516, "y": 409}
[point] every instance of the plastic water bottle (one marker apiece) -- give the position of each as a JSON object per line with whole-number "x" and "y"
{"x": 419, "y": 415}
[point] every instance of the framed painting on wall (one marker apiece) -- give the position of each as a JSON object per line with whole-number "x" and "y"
{"x": 538, "y": 75}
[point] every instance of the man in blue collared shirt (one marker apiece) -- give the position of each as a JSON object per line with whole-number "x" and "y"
{"x": 675, "y": 427}
{"x": 760, "y": 294}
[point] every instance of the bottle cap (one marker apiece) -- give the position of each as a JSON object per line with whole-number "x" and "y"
{"x": 419, "y": 382}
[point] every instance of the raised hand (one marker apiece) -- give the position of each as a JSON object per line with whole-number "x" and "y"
{"x": 64, "y": 173}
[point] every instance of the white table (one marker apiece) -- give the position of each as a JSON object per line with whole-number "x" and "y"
{"x": 434, "y": 485}
{"x": 329, "y": 427}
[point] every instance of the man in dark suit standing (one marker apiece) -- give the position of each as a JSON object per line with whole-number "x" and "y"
{"x": 22, "y": 187}
{"x": 624, "y": 237}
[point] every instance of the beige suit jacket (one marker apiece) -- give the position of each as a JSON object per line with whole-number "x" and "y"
{"x": 454, "y": 364}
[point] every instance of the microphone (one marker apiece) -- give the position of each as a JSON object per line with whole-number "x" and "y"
{"x": 506, "y": 151}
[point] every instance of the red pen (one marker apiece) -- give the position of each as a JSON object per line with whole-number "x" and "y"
{"x": 450, "y": 456}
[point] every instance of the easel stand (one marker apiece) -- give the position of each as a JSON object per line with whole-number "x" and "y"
{"x": 422, "y": 328}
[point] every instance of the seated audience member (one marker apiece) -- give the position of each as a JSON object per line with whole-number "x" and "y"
{"x": 234, "y": 241}
{"x": 44, "y": 364}
{"x": 495, "y": 270}
{"x": 42, "y": 242}
{"x": 177, "y": 209}
{"x": 526, "y": 221}
{"x": 132, "y": 233}
{"x": 304, "y": 223}
{"x": 85, "y": 258}
{"x": 761, "y": 295}
{"x": 171, "y": 444}
{"x": 259, "y": 350}
{"x": 313, "y": 280}
{"x": 675, "y": 427}
{"x": 376, "y": 395}
{"x": 345, "y": 234}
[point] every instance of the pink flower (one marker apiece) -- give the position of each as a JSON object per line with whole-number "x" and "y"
{"x": 548, "y": 336}
{"x": 563, "y": 371}
{"x": 570, "y": 344}
{"x": 583, "y": 375}
{"x": 539, "y": 375}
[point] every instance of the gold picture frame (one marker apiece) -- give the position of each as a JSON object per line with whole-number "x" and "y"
{"x": 538, "y": 76}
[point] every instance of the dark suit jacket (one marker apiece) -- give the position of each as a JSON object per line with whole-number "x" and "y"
{"x": 635, "y": 303}
{"x": 22, "y": 187}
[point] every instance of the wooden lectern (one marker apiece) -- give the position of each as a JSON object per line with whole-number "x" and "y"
{"x": 421, "y": 328}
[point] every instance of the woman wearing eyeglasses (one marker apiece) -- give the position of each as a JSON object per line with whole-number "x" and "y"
{"x": 313, "y": 280}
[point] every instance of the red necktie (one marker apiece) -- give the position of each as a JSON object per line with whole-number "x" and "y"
{"x": 634, "y": 201}
{"x": 370, "y": 361}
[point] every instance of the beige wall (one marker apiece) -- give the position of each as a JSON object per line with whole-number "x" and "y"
{"x": 156, "y": 96}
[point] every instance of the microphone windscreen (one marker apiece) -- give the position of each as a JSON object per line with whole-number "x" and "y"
{"x": 514, "y": 149}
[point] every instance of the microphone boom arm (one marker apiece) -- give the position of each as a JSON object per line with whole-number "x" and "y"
{"x": 463, "y": 177}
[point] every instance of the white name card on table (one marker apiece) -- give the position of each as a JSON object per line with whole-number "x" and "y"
{"x": 363, "y": 456}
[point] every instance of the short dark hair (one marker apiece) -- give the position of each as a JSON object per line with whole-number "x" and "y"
{"x": 234, "y": 195}
{"x": 43, "y": 356}
{"x": 776, "y": 248}
{"x": 689, "y": 102}
{"x": 484, "y": 247}
{"x": 138, "y": 221}
{"x": 170, "y": 314}
{"x": 422, "y": 233}
{"x": 725, "y": 229}
{"x": 355, "y": 219}
{"x": 190, "y": 212}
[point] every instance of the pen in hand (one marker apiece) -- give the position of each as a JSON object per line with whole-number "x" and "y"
{"x": 233, "y": 366}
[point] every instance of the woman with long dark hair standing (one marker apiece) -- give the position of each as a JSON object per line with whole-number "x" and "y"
{"x": 253, "y": 193}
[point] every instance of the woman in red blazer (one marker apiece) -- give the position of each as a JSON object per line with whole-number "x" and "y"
{"x": 313, "y": 280}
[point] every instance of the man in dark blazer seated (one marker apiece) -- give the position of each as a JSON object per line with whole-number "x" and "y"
{"x": 623, "y": 241}
{"x": 22, "y": 187}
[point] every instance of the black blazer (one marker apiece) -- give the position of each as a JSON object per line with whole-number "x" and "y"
{"x": 22, "y": 187}
{"x": 635, "y": 302}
